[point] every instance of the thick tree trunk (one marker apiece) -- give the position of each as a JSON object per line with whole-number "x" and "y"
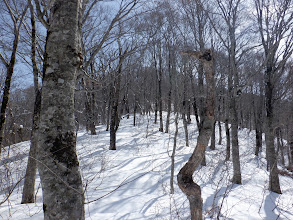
{"x": 274, "y": 184}
{"x": 63, "y": 196}
{"x": 185, "y": 181}
{"x": 235, "y": 146}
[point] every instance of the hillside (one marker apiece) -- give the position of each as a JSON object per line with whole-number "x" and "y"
{"x": 133, "y": 182}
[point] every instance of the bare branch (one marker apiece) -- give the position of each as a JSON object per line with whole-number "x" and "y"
{"x": 4, "y": 61}
{"x": 41, "y": 14}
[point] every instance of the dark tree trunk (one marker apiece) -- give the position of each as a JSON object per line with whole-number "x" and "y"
{"x": 220, "y": 133}
{"x": 114, "y": 122}
{"x": 213, "y": 138}
{"x": 258, "y": 139}
{"x": 194, "y": 105}
{"x": 228, "y": 140}
{"x": 9, "y": 72}
{"x": 185, "y": 130}
{"x": 258, "y": 119}
{"x": 274, "y": 184}
{"x": 160, "y": 92}
{"x": 170, "y": 69}
{"x": 134, "y": 111}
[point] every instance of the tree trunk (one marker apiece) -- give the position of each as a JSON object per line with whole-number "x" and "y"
{"x": 9, "y": 73}
{"x": 160, "y": 92}
{"x": 168, "y": 111}
{"x": 228, "y": 140}
{"x": 185, "y": 181}
{"x": 109, "y": 110}
{"x": 220, "y": 133}
{"x": 290, "y": 147}
{"x": 169, "y": 93}
{"x": 114, "y": 123}
{"x": 28, "y": 194}
{"x": 232, "y": 87}
{"x": 258, "y": 119}
{"x": 235, "y": 146}
{"x": 185, "y": 130}
{"x": 194, "y": 105}
{"x": 173, "y": 155}
{"x": 274, "y": 184}
{"x": 213, "y": 139}
{"x": 63, "y": 196}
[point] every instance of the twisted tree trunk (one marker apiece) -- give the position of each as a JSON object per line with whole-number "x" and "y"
{"x": 185, "y": 181}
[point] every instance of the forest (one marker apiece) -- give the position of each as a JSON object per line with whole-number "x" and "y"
{"x": 192, "y": 100}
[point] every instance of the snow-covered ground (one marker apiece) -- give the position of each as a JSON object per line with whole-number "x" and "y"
{"x": 133, "y": 182}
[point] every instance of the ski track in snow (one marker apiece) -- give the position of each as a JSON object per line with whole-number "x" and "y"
{"x": 133, "y": 182}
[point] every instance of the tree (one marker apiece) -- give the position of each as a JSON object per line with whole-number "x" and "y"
{"x": 275, "y": 23}
{"x": 28, "y": 195}
{"x": 184, "y": 177}
{"x": 58, "y": 165}
{"x": 17, "y": 17}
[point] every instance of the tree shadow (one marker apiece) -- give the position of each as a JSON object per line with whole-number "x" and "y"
{"x": 270, "y": 205}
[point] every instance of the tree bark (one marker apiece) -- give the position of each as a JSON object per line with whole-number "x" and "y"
{"x": 173, "y": 155}
{"x": 58, "y": 165}
{"x": 170, "y": 70}
{"x": 228, "y": 140}
{"x": 213, "y": 139}
{"x": 28, "y": 194}
{"x": 185, "y": 181}
{"x": 115, "y": 120}
{"x": 160, "y": 72}
{"x": 220, "y": 133}
{"x": 274, "y": 184}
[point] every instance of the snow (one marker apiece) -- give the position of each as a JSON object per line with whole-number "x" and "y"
{"x": 133, "y": 182}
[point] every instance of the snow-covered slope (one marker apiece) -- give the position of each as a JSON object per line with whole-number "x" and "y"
{"x": 133, "y": 182}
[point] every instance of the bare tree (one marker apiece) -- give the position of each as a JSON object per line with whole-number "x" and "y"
{"x": 28, "y": 195}
{"x": 185, "y": 181}
{"x": 16, "y": 15}
{"x": 275, "y": 27}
